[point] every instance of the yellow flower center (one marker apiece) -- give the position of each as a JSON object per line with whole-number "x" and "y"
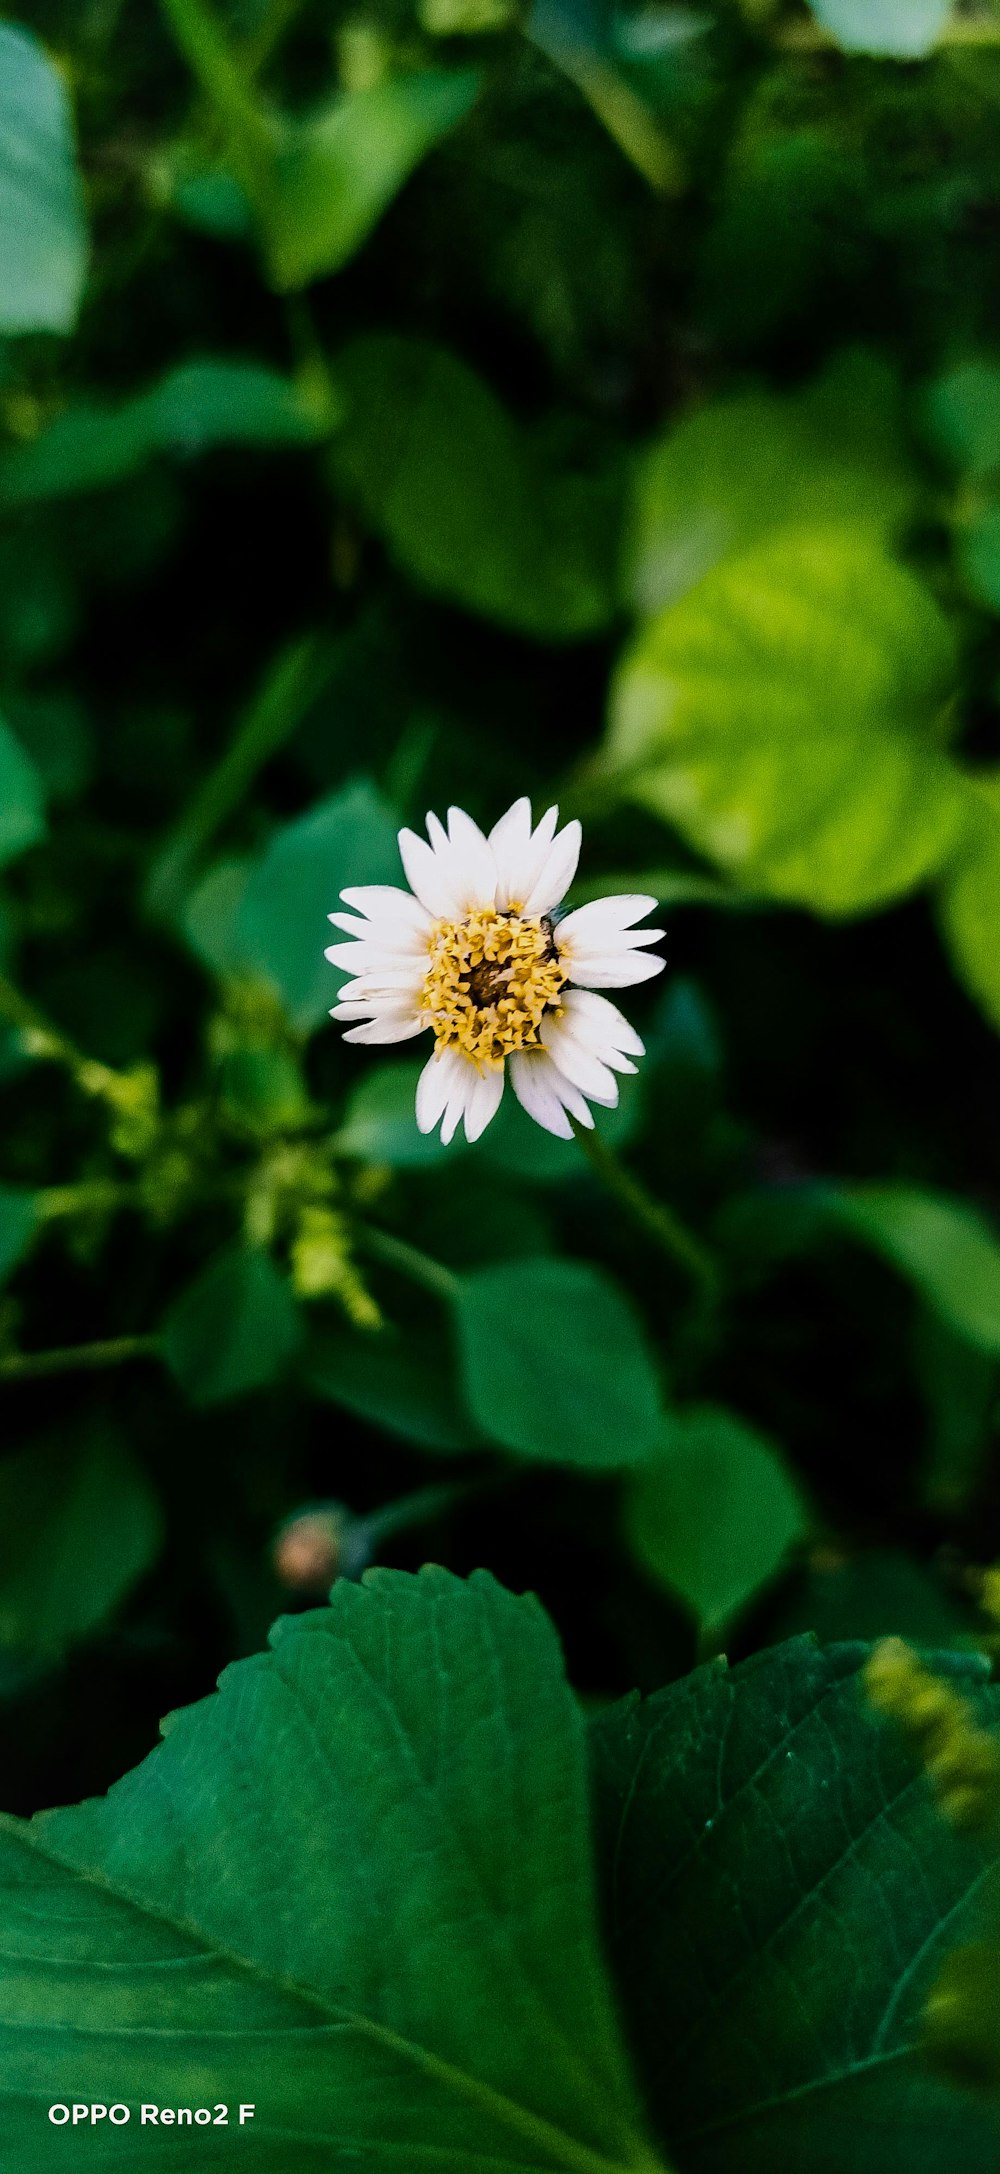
{"x": 490, "y": 981}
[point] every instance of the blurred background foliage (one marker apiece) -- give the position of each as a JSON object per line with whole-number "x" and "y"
{"x": 413, "y": 403}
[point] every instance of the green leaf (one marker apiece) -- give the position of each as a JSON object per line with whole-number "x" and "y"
{"x": 43, "y": 234}
{"x": 18, "y": 1224}
{"x": 891, "y": 29}
{"x": 380, "y": 1123}
{"x": 969, "y": 898}
{"x": 373, "y": 1885}
{"x": 727, "y": 475}
{"x": 462, "y": 497}
{"x": 962, "y": 416}
{"x": 282, "y": 927}
{"x": 555, "y": 1365}
{"x": 401, "y": 1381}
{"x": 715, "y": 1516}
{"x": 196, "y": 406}
{"x": 209, "y": 916}
{"x": 781, "y": 716}
{"x": 338, "y": 172}
{"x": 22, "y": 800}
{"x": 234, "y": 1329}
{"x": 944, "y": 1247}
{"x": 79, "y": 1524}
{"x": 779, "y": 1891}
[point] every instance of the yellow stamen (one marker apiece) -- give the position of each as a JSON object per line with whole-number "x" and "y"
{"x": 491, "y": 979}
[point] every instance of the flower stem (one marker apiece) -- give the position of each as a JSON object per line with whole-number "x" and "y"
{"x": 409, "y": 1261}
{"x": 671, "y": 1235}
{"x": 77, "y": 1358}
{"x": 273, "y": 714}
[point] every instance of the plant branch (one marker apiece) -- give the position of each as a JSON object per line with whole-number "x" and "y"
{"x": 273, "y": 714}
{"x": 409, "y": 1261}
{"x": 660, "y": 1223}
{"x": 77, "y": 1358}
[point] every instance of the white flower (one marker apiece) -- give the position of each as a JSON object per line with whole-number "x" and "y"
{"x": 474, "y": 952}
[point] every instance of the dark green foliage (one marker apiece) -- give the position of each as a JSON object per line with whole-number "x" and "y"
{"x": 431, "y": 405}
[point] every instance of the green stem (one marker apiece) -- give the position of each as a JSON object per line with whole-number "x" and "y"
{"x": 276, "y": 710}
{"x": 415, "y": 1509}
{"x": 671, "y": 1235}
{"x": 77, "y": 1358}
{"x": 418, "y": 1267}
{"x": 98, "y": 1196}
{"x": 213, "y": 62}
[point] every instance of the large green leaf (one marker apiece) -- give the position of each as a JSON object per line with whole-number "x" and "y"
{"x": 354, "y": 1888}
{"x": 891, "y": 29}
{"x": 22, "y": 817}
{"x": 194, "y": 407}
{"x": 731, "y": 472}
{"x": 555, "y": 1364}
{"x": 235, "y": 1328}
{"x": 969, "y": 898}
{"x": 781, "y": 715}
{"x": 79, "y": 1524}
{"x": 779, "y": 1892}
{"x": 338, "y": 172}
{"x": 463, "y": 498}
{"x": 281, "y": 926}
{"x": 717, "y": 1512}
{"x": 945, "y": 1248}
{"x": 43, "y": 235}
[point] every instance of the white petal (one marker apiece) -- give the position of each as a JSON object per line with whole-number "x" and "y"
{"x": 579, "y": 1065}
{"x": 388, "y": 1027}
{"x": 473, "y": 856}
{"x": 557, "y": 871}
{"x": 459, "y": 1098}
{"x": 510, "y": 842}
{"x": 369, "y": 957}
{"x": 591, "y": 926}
{"x": 546, "y": 1095}
{"x": 524, "y": 852}
{"x": 385, "y": 982}
{"x": 600, "y": 1026}
{"x": 484, "y": 1103}
{"x": 428, "y": 877}
{"x": 620, "y": 970}
{"x": 435, "y": 1085}
{"x": 387, "y": 902}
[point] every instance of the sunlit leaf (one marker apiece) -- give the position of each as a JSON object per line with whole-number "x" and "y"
{"x": 782, "y": 714}
{"x": 724, "y": 477}
{"x": 338, "y": 172}
{"x": 892, "y": 29}
{"x": 43, "y": 234}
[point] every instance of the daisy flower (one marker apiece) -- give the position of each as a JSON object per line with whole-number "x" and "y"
{"x": 476, "y": 954}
